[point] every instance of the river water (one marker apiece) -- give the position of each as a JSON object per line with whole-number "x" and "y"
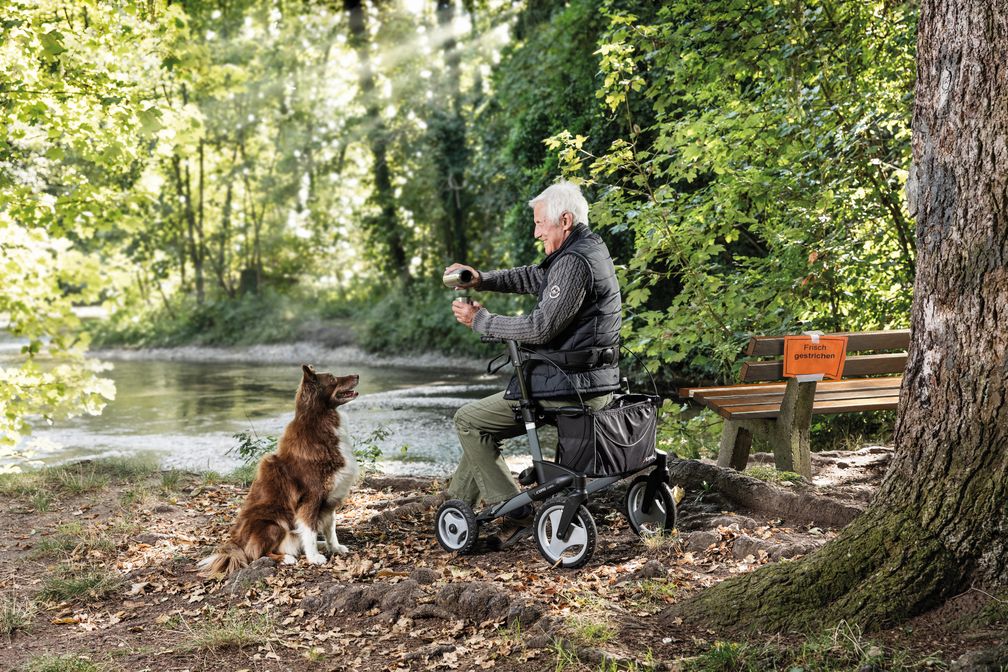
{"x": 184, "y": 405}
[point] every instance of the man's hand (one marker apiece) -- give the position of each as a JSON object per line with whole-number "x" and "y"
{"x": 462, "y": 267}
{"x": 465, "y": 312}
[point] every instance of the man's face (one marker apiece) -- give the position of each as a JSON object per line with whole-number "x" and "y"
{"x": 552, "y": 233}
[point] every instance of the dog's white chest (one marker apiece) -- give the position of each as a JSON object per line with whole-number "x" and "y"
{"x": 344, "y": 479}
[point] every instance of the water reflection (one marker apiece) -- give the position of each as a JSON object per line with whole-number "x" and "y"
{"x": 187, "y": 412}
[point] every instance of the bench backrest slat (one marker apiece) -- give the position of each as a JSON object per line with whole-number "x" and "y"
{"x": 767, "y": 346}
{"x": 857, "y": 365}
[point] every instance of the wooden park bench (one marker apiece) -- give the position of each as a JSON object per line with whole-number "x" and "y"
{"x": 781, "y": 412}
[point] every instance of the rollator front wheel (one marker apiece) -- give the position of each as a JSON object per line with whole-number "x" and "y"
{"x": 455, "y": 526}
{"x": 661, "y": 514}
{"x": 577, "y": 548}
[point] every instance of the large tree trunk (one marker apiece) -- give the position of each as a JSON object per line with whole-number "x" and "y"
{"x": 939, "y": 522}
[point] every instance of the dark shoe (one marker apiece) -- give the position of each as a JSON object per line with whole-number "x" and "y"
{"x": 513, "y": 529}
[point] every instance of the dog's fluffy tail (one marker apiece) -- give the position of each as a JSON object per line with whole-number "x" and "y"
{"x": 228, "y": 559}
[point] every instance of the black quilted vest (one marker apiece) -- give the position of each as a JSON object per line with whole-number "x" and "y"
{"x": 588, "y": 348}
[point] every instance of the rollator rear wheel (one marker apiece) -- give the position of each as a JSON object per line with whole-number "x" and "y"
{"x": 661, "y": 515}
{"x": 455, "y": 526}
{"x": 574, "y": 551}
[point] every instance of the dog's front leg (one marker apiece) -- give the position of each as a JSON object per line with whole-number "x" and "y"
{"x": 327, "y": 526}
{"x": 309, "y": 543}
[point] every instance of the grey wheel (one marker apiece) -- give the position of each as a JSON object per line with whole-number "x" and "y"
{"x": 455, "y": 526}
{"x": 661, "y": 514}
{"x": 577, "y": 548}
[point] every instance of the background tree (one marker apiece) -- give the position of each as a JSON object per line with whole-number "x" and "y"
{"x": 938, "y": 524}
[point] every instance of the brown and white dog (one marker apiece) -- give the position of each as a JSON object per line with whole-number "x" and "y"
{"x": 297, "y": 489}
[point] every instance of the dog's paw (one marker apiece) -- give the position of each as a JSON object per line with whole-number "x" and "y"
{"x": 339, "y": 549}
{"x": 317, "y": 559}
{"x": 289, "y": 560}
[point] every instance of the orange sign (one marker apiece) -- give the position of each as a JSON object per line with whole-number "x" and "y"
{"x": 804, "y": 356}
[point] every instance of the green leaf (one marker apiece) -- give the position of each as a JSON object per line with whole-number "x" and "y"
{"x": 52, "y": 43}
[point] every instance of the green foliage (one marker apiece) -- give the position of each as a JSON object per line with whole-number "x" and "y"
{"x": 268, "y": 317}
{"x": 420, "y": 319}
{"x": 251, "y": 447}
{"x": 764, "y": 195}
{"x": 225, "y": 175}
{"x": 367, "y": 452}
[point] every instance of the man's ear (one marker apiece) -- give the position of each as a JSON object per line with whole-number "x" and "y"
{"x": 567, "y": 221}
{"x": 309, "y": 372}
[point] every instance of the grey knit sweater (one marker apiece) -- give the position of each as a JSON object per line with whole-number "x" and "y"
{"x": 566, "y": 286}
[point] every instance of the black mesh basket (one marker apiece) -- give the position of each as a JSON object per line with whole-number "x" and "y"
{"x": 619, "y": 438}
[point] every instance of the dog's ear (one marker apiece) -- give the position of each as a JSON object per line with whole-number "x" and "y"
{"x": 309, "y": 372}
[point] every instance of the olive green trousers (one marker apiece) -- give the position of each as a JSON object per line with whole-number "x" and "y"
{"x": 481, "y": 425}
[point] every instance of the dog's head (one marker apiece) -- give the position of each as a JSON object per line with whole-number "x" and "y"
{"x": 325, "y": 389}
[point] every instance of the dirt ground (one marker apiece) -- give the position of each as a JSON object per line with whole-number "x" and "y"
{"x": 97, "y": 572}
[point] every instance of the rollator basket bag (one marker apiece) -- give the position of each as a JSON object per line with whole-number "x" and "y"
{"x": 618, "y": 438}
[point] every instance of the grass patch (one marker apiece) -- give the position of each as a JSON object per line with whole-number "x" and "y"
{"x": 137, "y": 496}
{"x": 772, "y": 475}
{"x": 564, "y": 658}
{"x": 72, "y": 538}
{"x": 590, "y": 632}
{"x": 841, "y": 648}
{"x": 171, "y": 480}
{"x": 212, "y": 477}
{"x": 242, "y": 476}
{"x": 652, "y": 594}
{"x": 71, "y": 663}
{"x": 233, "y": 629}
{"x": 16, "y": 615}
{"x": 662, "y": 542}
{"x": 512, "y": 635}
{"x": 71, "y": 584}
{"x": 126, "y": 469}
{"x": 76, "y": 479}
{"x": 40, "y": 500}
{"x": 41, "y": 486}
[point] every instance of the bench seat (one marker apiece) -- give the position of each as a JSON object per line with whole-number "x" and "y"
{"x": 764, "y": 400}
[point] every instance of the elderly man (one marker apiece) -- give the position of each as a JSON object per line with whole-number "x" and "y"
{"x": 576, "y": 324}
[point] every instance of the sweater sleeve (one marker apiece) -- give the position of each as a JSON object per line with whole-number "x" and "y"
{"x": 521, "y": 280}
{"x": 567, "y": 286}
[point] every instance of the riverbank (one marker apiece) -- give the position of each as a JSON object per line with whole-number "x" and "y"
{"x": 97, "y": 563}
{"x": 316, "y": 353}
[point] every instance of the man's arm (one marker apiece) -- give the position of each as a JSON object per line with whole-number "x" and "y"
{"x": 521, "y": 280}
{"x": 567, "y": 287}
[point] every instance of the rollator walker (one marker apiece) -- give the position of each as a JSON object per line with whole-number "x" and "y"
{"x": 596, "y": 450}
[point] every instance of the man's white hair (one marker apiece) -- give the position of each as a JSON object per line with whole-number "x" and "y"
{"x": 560, "y": 198}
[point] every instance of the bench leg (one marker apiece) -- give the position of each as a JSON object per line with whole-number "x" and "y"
{"x": 792, "y": 451}
{"x": 735, "y": 444}
{"x": 791, "y": 441}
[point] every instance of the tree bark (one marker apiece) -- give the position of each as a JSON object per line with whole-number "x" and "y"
{"x": 939, "y": 522}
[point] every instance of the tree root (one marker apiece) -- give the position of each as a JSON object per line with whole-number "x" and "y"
{"x": 756, "y": 495}
{"x": 882, "y": 569}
